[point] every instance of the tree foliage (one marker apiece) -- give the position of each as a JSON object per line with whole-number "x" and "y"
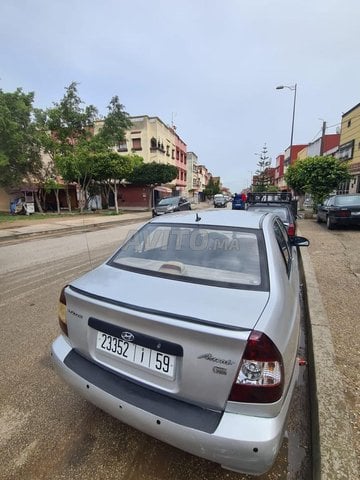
{"x": 116, "y": 123}
{"x": 79, "y": 154}
{"x": 212, "y": 188}
{"x": 263, "y": 180}
{"x": 153, "y": 174}
{"x": 19, "y": 141}
{"x": 112, "y": 168}
{"x": 319, "y": 176}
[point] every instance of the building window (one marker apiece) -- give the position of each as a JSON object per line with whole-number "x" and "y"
{"x": 168, "y": 150}
{"x": 346, "y": 151}
{"x": 122, "y": 147}
{"x": 153, "y": 143}
{"x": 349, "y": 123}
{"x": 136, "y": 144}
{"x": 343, "y": 188}
{"x": 173, "y": 153}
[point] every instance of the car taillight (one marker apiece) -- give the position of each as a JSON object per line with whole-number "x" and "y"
{"x": 260, "y": 378}
{"x": 62, "y": 311}
{"x": 343, "y": 213}
{"x": 291, "y": 230}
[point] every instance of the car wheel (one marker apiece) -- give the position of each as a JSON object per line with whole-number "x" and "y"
{"x": 330, "y": 224}
{"x": 318, "y": 219}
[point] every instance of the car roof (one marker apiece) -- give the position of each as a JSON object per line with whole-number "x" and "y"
{"x": 227, "y": 218}
{"x": 344, "y": 195}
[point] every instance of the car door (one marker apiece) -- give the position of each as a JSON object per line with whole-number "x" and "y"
{"x": 183, "y": 204}
{"x": 289, "y": 285}
{"x": 324, "y": 209}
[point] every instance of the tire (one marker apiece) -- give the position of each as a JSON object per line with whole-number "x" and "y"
{"x": 318, "y": 219}
{"x": 329, "y": 223}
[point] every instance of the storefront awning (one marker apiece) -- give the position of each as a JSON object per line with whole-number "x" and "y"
{"x": 163, "y": 189}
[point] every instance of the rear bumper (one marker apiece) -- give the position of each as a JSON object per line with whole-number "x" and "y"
{"x": 355, "y": 220}
{"x": 242, "y": 443}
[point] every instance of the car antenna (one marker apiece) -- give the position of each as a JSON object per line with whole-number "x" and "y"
{"x": 197, "y": 218}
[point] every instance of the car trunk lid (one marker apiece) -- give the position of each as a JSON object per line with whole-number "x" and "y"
{"x": 191, "y": 339}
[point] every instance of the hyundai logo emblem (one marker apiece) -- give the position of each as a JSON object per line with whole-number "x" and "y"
{"x": 127, "y": 336}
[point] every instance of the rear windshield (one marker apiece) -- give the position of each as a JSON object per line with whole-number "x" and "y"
{"x": 283, "y": 213}
{"x": 210, "y": 255}
{"x": 347, "y": 200}
{"x": 169, "y": 201}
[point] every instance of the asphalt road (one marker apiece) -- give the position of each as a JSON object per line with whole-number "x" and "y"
{"x": 49, "y": 432}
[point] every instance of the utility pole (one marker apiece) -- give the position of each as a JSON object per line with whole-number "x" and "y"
{"x": 322, "y": 143}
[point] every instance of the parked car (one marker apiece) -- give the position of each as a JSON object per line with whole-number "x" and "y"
{"x": 219, "y": 201}
{"x": 189, "y": 333}
{"x": 280, "y": 203}
{"x": 171, "y": 204}
{"x": 339, "y": 210}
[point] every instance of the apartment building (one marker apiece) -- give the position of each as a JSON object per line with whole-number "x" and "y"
{"x": 349, "y": 149}
{"x": 193, "y": 185}
{"x": 154, "y": 141}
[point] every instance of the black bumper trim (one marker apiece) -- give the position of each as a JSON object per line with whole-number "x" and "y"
{"x": 148, "y": 400}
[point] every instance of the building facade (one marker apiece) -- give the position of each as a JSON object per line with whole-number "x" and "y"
{"x": 154, "y": 141}
{"x": 193, "y": 184}
{"x": 349, "y": 149}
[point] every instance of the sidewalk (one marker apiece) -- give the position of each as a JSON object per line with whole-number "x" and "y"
{"x": 51, "y": 226}
{"x": 334, "y": 451}
{"x": 25, "y": 228}
{"x": 332, "y": 290}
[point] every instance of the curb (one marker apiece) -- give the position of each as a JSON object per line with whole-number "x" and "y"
{"x": 70, "y": 229}
{"x": 333, "y": 451}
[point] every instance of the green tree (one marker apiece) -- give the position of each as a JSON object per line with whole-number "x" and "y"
{"x": 79, "y": 154}
{"x": 65, "y": 128}
{"x": 263, "y": 180}
{"x": 212, "y": 188}
{"x": 153, "y": 174}
{"x": 116, "y": 123}
{"x": 50, "y": 184}
{"x": 319, "y": 176}
{"x": 20, "y": 158}
{"x": 111, "y": 169}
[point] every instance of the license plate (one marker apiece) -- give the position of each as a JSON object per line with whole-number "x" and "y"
{"x": 157, "y": 362}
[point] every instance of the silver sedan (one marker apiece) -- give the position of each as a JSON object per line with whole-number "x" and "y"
{"x": 189, "y": 333}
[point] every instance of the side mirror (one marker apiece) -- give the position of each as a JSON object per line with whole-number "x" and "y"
{"x": 300, "y": 242}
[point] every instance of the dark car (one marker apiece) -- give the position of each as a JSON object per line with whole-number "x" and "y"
{"x": 339, "y": 210}
{"x": 238, "y": 203}
{"x": 170, "y": 205}
{"x": 280, "y": 203}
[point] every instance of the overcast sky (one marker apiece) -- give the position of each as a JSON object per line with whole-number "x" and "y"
{"x": 210, "y": 66}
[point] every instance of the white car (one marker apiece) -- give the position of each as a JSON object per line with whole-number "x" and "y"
{"x": 190, "y": 333}
{"x": 219, "y": 200}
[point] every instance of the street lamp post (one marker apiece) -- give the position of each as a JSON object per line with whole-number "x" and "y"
{"x": 293, "y": 88}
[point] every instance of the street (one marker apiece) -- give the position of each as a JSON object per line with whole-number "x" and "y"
{"x": 49, "y": 432}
